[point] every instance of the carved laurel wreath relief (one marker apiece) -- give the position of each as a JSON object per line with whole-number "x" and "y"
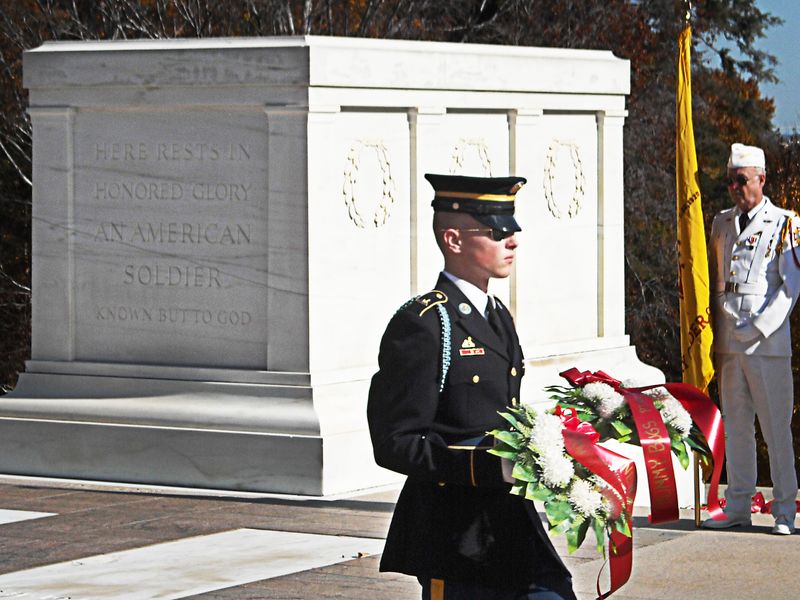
{"x": 555, "y": 186}
{"x": 479, "y": 146}
{"x": 378, "y": 204}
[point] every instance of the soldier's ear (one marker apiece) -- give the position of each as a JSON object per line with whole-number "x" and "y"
{"x": 451, "y": 239}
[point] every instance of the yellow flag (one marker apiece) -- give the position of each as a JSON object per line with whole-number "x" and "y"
{"x": 696, "y": 336}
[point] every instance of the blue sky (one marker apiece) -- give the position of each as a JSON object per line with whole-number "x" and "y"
{"x": 781, "y": 41}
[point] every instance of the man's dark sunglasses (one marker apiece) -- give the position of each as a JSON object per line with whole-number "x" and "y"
{"x": 740, "y": 180}
{"x": 498, "y": 235}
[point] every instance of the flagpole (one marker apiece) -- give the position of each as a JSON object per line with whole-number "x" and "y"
{"x": 695, "y": 456}
{"x": 696, "y": 464}
{"x": 693, "y": 379}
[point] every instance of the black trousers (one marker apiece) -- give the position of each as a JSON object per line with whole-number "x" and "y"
{"x": 438, "y": 589}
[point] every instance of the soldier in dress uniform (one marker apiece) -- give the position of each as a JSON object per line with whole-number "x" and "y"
{"x": 450, "y": 360}
{"x": 755, "y": 279}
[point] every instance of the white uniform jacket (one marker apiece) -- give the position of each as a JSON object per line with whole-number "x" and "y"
{"x": 754, "y": 279}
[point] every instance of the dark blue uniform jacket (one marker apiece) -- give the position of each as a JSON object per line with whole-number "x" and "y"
{"x": 455, "y": 518}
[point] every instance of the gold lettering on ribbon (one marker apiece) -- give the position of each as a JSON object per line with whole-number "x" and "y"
{"x": 656, "y": 450}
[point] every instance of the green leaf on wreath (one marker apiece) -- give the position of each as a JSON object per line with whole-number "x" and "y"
{"x": 558, "y": 389}
{"x": 537, "y": 491}
{"x": 515, "y": 422}
{"x": 699, "y": 439}
{"x": 679, "y": 449}
{"x": 621, "y": 428}
{"x": 512, "y": 438}
{"x": 600, "y": 535}
{"x": 504, "y": 451}
{"x": 621, "y": 525}
{"x": 697, "y": 444}
{"x": 518, "y": 490}
{"x": 577, "y": 533}
{"x": 523, "y": 472}
{"x": 558, "y": 511}
{"x": 562, "y": 527}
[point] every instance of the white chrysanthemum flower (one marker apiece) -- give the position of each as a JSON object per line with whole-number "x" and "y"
{"x": 671, "y": 410}
{"x": 557, "y": 469}
{"x": 546, "y": 436}
{"x": 657, "y": 393}
{"x": 547, "y": 440}
{"x": 607, "y": 400}
{"x": 585, "y": 499}
{"x": 677, "y": 416}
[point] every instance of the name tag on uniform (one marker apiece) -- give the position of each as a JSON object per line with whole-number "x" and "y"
{"x": 468, "y": 348}
{"x": 471, "y": 351}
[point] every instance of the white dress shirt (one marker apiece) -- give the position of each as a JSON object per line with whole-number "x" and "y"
{"x": 479, "y": 299}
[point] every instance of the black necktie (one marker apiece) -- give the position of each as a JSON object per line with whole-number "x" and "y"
{"x": 744, "y": 219}
{"x": 494, "y": 321}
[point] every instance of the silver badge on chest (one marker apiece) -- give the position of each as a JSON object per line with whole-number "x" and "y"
{"x": 464, "y": 308}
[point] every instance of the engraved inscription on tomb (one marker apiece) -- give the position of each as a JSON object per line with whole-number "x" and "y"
{"x": 171, "y": 232}
{"x": 174, "y": 233}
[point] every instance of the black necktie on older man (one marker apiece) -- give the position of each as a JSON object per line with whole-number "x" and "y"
{"x": 744, "y": 219}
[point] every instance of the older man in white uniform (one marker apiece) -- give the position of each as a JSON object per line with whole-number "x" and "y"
{"x": 755, "y": 279}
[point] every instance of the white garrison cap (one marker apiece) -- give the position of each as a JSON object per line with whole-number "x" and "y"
{"x": 746, "y": 156}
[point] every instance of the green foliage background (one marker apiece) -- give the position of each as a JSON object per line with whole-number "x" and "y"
{"x": 728, "y": 107}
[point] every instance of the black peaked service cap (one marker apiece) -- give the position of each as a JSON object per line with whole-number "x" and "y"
{"x": 489, "y": 199}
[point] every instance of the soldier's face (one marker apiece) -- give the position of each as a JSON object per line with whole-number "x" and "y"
{"x": 745, "y": 186}
{"x": 485, "y": 256}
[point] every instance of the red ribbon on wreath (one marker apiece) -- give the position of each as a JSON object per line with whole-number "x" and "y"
{"x": 708, "y": 419}
{"x": 655, "y": 439}
{"x": 619, "y": 472}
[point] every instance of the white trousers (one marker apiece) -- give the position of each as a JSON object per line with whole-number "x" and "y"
{"x": 760, "y": 386}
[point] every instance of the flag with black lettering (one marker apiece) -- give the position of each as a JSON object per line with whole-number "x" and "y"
{"x": 696, "y": 336}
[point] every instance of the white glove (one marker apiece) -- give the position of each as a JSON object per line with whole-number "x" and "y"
{"x": 730, "y": 313}
{"x": 507, "y": 466}
{"x": 746, "y": 332}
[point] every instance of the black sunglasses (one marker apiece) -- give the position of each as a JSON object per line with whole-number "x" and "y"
{"x": 740, "y": 180}
{"x": 498, "y": 235}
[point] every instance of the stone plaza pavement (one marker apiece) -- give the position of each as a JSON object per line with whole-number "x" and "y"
{"x": 65, "y": 540}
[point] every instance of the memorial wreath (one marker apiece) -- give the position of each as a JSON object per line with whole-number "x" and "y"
{"x": 558, "y": 458}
